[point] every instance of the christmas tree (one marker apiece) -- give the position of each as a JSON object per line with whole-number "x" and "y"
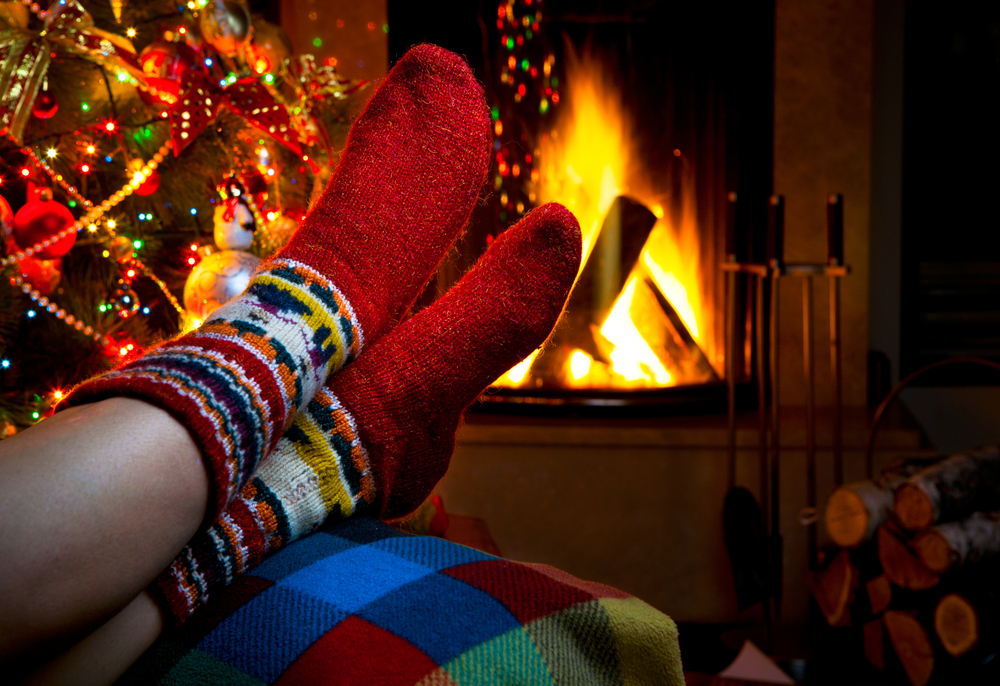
{"x": 152, "y": 154}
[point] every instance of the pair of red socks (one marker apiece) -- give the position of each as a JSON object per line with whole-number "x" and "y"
{"x": 252, "y": 381}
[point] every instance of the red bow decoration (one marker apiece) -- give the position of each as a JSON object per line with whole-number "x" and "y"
{"x": 200, "y": 99}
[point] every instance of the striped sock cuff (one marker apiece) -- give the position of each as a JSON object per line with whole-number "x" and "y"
{"x": 320, "y": 467}
{"x": 296, "y": 321}
{"x": 238, "y": 381}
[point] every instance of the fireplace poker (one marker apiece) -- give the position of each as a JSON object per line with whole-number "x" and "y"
{"x": 810, "y": 374}
{"x": 730, "y": 271}
{"x": 746, "y": 521}
{"x": 834, "y": 269}
{"x": 835, "y": 258}
{"x": 776, "y": 261}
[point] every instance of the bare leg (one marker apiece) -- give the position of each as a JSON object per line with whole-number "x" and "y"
{"x": 94, "y": 503}
{"x": 106, "y": 654}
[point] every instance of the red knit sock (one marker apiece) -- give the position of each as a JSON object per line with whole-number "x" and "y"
{"x": 415, "y": 161}
{"x": 408, "y": 393}
{"x": 380, "y": 435}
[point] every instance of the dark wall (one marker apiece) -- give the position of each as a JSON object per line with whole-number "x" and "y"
{"x": 950, "y": 302}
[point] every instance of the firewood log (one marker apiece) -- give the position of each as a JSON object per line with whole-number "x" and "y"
{"x": 833, "y": 589}
{"x": 900, "y": 564}
{"x": 969, "y": 615}
{"x": 951, "y": 489}
{"x": 872, "y": 634}
{"x": 879, "y": 593}
{"x": 912, "y": 645}
{"x": 855, "y": 510}
{"x": 957, "y": 543}
{"x": 956, "y": 623}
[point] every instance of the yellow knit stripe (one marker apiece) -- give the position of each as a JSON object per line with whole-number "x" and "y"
{"x": 319, "y": 455}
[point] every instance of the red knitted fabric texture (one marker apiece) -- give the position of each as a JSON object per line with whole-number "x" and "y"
{"x": 408, "y": 391}
{"x": 409, "y": 177}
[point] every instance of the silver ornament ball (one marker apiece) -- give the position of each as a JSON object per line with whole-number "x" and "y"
{"x": 217, "y": 279}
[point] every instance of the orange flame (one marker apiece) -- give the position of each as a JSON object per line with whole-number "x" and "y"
{"x": 588, "y": 160}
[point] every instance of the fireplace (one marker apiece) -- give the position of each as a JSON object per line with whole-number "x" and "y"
{"x": 642, "y": 118}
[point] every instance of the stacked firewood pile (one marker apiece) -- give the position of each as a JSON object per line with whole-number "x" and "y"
{"x": 918, "y": 568}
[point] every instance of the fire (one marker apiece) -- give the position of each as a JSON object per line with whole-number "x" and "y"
{"x": 587, "y": 161}
{"x": 632, "y": 357}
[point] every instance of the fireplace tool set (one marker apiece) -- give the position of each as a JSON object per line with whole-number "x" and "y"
{"x": 773, "y": 271}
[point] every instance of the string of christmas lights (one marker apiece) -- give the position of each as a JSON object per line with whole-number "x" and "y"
{"x": 97, "y": 211}
{"x": 160, "y": 284}
{"x": 528, "y": 91}
{"x": 58, "y": 178}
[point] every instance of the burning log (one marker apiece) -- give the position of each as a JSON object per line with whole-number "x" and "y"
{"x": 615, "y": 253}
{"x": 912, "y": 645}
{"x": 856, "y": 510}
{"x": 900, "y": 564}
{"x": 951, "y": 489}
{"x": 685, "y": 353}
{"x": 968, "y": 541}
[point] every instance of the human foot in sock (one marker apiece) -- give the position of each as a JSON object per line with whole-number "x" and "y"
{"x": 380, "y": 435}
{"x": 414, "y": 163}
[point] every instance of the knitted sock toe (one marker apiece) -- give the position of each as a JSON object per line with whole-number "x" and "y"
{"x": 381, "y": 434}
{"x": 414, "y": 163}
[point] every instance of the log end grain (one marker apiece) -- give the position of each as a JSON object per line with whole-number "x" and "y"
{"x": 956, "y": 624}
{"x": 934, "y": 551}
{"x": 833, "y": 589}
{"x": 874, "y": 651}
{"x": 846, "y": 518}
{"x": 912, "y": 645}
{"x": 913, "y": 507}
{"x": 900, "y": 565}
{"x": 879, "y": 593}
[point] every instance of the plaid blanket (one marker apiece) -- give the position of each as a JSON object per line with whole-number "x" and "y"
{"x": 359, "y": 602}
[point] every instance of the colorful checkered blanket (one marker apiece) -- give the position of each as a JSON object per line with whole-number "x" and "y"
{"x": 359, "y": 602}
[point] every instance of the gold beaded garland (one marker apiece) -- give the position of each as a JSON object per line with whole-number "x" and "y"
{"x": 52, "y": 308}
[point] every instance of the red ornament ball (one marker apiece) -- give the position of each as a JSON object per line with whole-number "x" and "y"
{"x": 43, "y": 275}
{"x": 38, "y": 221}
{"x": 45, "y": 105}
{"x": 168, "y": 61}
{"x": 150, "y": 185}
